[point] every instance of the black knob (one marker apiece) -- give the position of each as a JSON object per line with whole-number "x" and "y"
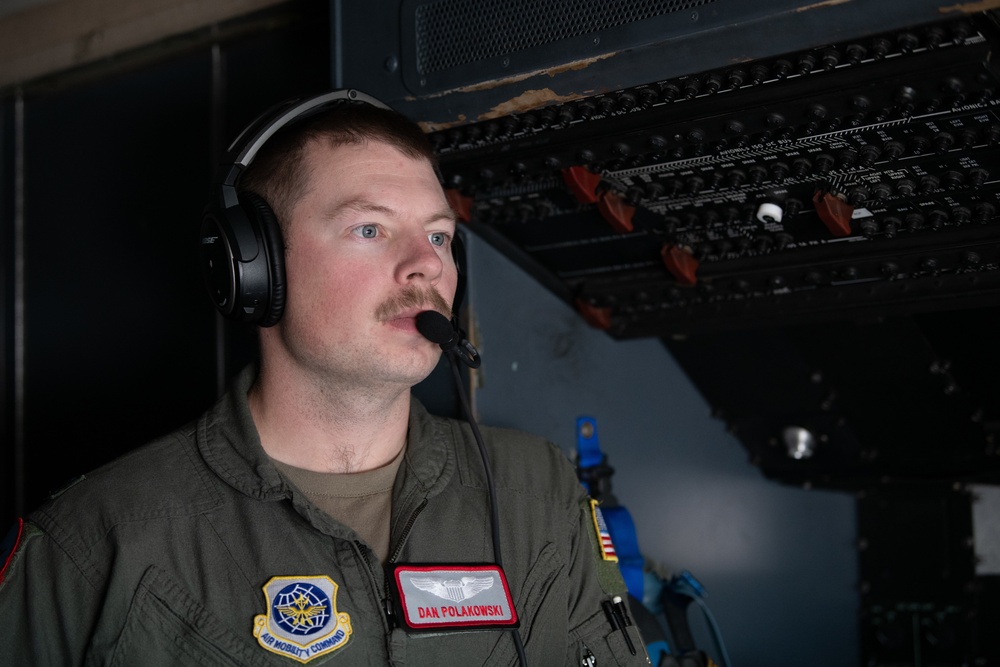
{"x": 881, "y": 191}
{"x": 757, "y": 174}
{"x": 692, "y": 85}
{"x": 830, "y": 58}
{"x": 933, "y": 37}
{"x": 960, "y": 215}
{"x": 978, "y": 176}
{"x": 848, "y": 157}
{"x": 605, "y": 106}
{"x": 894, "y": 149}
{"x": 952, "y": 179}
{"x": 807, "y": 63}
{"x": 695, "y": 135}
{"x": 801, "y": 167}
{"x": 960, "y": 32}
{"x": 647, "y": 97}
{"x": 943, "y": 141}
{"x": 880, "y": 47}
{"x": 657, "y": 141}
{"x": 983, "y": 212}
{"x": 907, "y": 42}
{"x": 823, "y": 164}
{"x": 970, "y": 258}
{"x": 967, "y": 139}
{"x": 857, "y": 196}
{"x": 781, "y": 69}
{"x": 929, "y": 184}
{"x": 937, "y": 218}
{"x": 914, "y": 221}
{"x": 905, "y": 187}
{"x": 868, "y": 154}
{"x": 669, "y": 92}
{"x": 816, "y": 111}
{"x": 855, "y": 53}
{"x": 918, "y": 145}
{"x": 736, "y": 178}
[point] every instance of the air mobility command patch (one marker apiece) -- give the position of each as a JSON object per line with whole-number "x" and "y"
{"x": 302, "y": 621}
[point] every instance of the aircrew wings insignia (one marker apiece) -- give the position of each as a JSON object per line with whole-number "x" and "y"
{"x": 455, "y": 590}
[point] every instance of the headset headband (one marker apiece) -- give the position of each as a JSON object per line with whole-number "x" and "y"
{"x": 245, "y": 147}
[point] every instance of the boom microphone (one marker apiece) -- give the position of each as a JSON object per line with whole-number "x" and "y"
{"x": 437, "y": 328}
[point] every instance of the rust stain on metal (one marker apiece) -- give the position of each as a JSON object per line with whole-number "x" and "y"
{"x": 529, "y": 99}
{"x": 574, "y": 66}
{"x": 969, "y": 7}
{"x": 825, "y": 3}
{"x": 430, "y": 126}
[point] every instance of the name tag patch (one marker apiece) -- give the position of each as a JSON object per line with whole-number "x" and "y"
{"x": 457, "y": 597}
{"x": 302, "y": 621}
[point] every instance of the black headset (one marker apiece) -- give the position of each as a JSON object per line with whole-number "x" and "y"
{"x": 242, "y": 254}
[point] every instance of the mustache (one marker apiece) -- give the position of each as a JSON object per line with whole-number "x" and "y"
{"x": 412, "y": 296}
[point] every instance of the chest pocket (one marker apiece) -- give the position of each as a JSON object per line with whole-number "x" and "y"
{"x": 166, "y": 626}
{"x": 543, "y": 620}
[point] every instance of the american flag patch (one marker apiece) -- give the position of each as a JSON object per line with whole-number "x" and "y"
{"x": 603, "y": 536}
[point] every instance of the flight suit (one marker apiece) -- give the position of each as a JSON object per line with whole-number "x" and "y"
{"x": 193, "y": 549}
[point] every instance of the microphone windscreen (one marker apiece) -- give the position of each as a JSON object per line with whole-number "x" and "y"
{"x": 435, "y": 327}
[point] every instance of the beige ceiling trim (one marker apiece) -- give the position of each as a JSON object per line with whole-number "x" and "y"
{"x": 57, "y": 35}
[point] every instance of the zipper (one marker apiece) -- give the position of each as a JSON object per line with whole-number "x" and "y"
{"x": 406, "y": 531}
{"x": 387, "y": 602}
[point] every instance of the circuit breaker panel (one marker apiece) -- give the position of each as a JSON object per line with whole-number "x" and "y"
{"x": 860, "y": 175}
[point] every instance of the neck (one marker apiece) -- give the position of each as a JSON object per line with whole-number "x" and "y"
{"x": 328, "y": 426}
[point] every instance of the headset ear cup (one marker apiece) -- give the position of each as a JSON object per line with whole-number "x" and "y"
{"x": 261, "y": 215}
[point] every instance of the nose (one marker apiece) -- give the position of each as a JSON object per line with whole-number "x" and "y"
{"x": 420, "y": 261}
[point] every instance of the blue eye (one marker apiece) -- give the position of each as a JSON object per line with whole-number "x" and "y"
{"x": 438, "y": 238}
{"x": 367, "y": 231}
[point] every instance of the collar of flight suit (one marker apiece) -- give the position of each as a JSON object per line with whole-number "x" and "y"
{"x": 230, "y": 445}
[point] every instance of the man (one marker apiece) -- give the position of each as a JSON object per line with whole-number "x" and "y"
{"x": 318, "y": 514}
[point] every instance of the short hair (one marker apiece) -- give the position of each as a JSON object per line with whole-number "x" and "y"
{"x": 278, "y": 172}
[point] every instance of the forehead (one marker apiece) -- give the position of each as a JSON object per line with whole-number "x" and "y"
{"x": 371, "y": 175}
{"x": 322, "y": 152}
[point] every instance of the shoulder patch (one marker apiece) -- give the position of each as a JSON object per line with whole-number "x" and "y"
{"x": 603, "y": 536}
{"x": 9, "y": 547}
{"x": 302, "y": 621}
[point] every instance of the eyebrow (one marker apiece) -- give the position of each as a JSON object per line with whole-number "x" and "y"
{"x": 367, "y": 206}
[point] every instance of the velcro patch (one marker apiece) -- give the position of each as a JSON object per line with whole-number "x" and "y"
{"x": 603, "y": 536}
{"x": 9, "y": 547}
{"x": 454, "y": 597}
{"x": 302, "y": 621}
